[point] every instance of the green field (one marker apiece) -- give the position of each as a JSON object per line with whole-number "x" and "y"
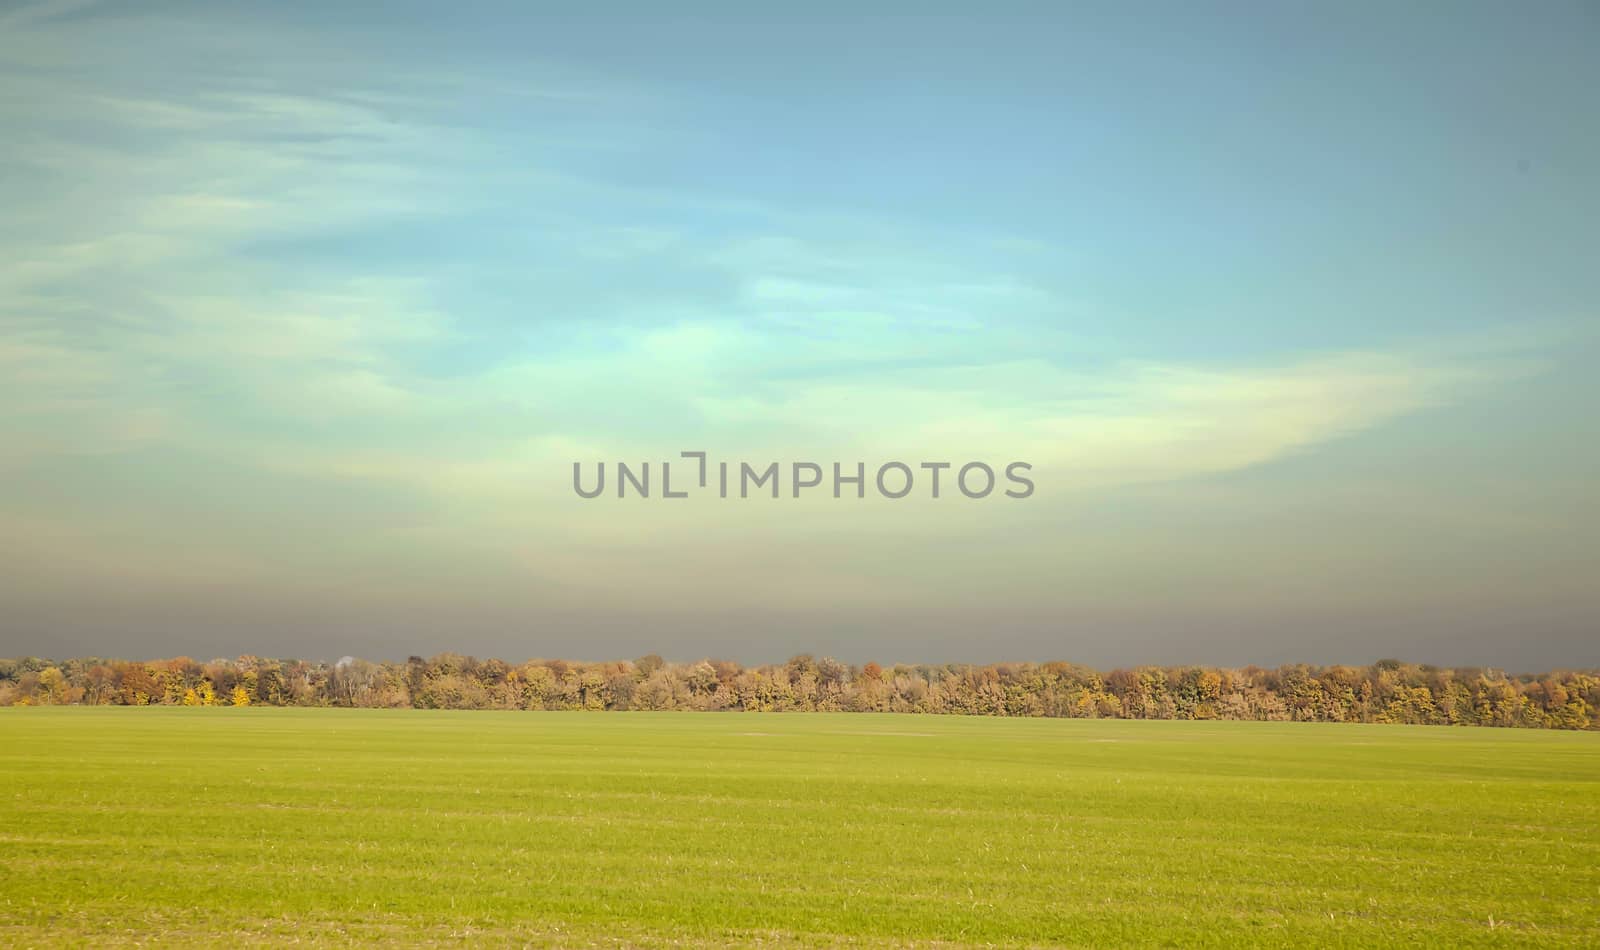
{"x": 334, "y": 826}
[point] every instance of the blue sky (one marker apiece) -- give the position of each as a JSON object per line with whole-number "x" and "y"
{"x": 305, "y": 313}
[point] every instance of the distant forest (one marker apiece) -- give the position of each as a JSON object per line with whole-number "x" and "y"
{"x": 1386, "y": 691}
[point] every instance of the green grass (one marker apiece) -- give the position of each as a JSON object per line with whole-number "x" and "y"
{"x": 340, "y": 826}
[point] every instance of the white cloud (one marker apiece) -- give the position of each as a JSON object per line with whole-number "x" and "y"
{"x": 138, "y": 307}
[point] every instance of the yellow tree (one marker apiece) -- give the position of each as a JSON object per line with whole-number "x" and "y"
{"x": 53, "y": 684}
{"x": 241, "y": 696}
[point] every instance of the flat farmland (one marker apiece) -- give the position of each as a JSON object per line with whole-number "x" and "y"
{"x": 338, "y": 826}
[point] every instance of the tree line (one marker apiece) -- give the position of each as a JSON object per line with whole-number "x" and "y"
{"x": 1385, "y": 691}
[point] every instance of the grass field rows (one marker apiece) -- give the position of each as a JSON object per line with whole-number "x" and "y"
{"x": 340, "y": 826}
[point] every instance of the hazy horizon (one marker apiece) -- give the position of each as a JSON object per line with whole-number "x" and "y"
{"x": 307, "y": 312}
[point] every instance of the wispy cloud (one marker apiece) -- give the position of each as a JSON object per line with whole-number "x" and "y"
{"x": 30, "y": 14}
{"x": 344, "y": 281}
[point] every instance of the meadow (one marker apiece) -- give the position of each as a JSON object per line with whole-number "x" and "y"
{"x": 341, "y": 826}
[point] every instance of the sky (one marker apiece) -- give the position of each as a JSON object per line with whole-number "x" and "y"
{"x": 307, "y": 311}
